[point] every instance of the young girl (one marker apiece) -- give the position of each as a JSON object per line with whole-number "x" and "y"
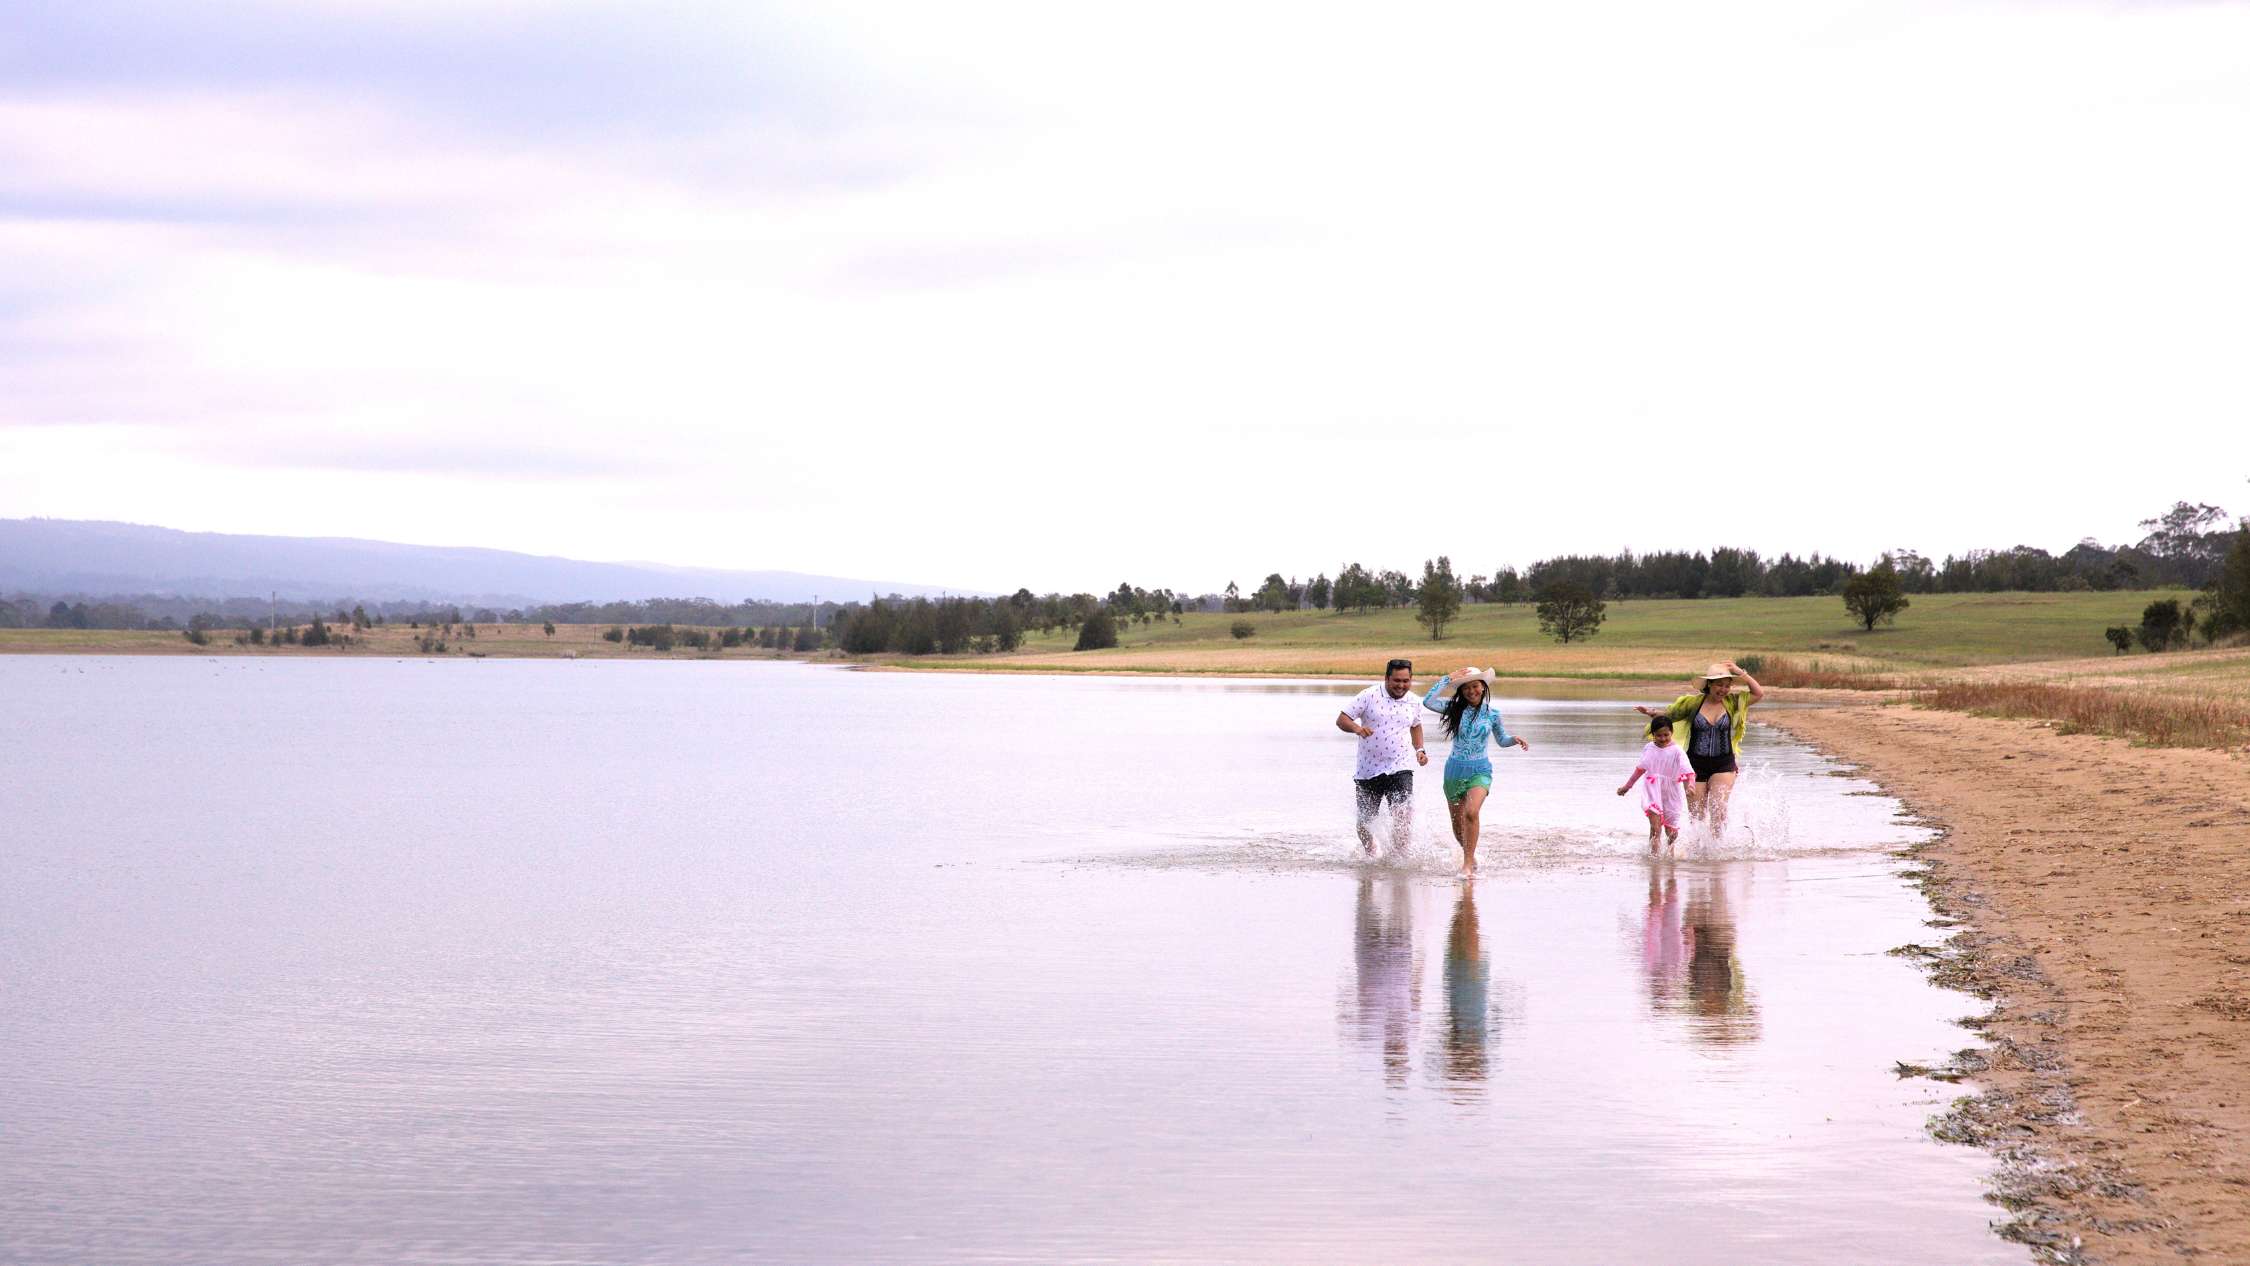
{"x": 1664, "y": 796}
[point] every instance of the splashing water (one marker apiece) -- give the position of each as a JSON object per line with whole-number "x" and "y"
{"x": 1787, "y": 804}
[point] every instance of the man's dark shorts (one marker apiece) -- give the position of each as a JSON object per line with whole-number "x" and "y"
{"x": 1396, "y": 787}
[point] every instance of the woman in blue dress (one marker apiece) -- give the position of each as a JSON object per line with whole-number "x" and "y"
{"x": 1470, "y": 720}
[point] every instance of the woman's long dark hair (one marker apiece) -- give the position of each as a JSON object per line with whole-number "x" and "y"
{"x": 1458, "y": 707}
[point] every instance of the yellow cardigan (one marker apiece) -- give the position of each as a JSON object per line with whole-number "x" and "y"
{"x": 1738, "y": 707}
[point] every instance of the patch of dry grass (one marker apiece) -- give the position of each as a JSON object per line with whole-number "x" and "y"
{"x": 2222, "y": 672}
{"x": 1782, "y": 673}
{"x": 1235, "y": 659}
{"x": 2155, "y": 720}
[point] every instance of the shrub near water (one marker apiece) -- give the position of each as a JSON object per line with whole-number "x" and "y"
{"x": 1098, "y": 633}
{"x": 2155, "y": 720}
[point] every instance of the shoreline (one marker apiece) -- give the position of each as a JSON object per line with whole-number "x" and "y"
{"x": 2097, "y": 897}
{"x": 1788, "y": 696}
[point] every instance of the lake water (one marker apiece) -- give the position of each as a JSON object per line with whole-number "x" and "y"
{"x": 558, "y": 962}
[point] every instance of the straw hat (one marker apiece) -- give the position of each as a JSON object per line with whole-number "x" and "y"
{"x": 1720, "y": 672}
{"x": 1485, "y": 675}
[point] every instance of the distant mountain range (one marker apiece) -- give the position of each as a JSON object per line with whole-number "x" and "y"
{"x": 58, "y": 556}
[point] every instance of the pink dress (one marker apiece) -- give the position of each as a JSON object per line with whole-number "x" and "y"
{"x": 1665, "y": 774}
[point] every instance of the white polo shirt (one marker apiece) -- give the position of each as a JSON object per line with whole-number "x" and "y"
{"x": 1390, "y": 747}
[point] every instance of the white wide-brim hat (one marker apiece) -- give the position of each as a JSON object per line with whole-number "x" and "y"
{"x": 1485, "y": 675}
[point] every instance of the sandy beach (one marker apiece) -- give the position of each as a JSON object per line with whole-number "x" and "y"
{"x": 2099, "y": 895}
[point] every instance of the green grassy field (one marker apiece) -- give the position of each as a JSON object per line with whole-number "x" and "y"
{"x": 1649, "y": 638}
{"x": 1944, "y": 634}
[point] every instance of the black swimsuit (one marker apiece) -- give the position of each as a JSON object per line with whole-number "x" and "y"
{"x": 1710, "y": 746}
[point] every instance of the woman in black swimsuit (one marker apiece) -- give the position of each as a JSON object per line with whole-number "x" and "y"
{"x": 1713, "y": 736}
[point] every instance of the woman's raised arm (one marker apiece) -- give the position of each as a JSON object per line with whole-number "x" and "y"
{"x": 1757, "y": 692}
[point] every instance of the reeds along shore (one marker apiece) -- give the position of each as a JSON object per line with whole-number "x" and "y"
{"x": 2152, "y": 720}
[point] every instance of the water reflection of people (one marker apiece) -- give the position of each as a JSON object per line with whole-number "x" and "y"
{"x": 1664, "y": 940}
{"x": 1389, "y": 992}
{"x": 1468, "y": 992}
{"x": 1688, "y": 957}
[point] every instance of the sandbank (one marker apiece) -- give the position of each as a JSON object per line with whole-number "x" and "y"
{"x": 2099, "y": 895}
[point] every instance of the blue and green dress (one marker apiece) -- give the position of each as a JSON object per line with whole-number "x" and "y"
{"x": 1469, "y": 765}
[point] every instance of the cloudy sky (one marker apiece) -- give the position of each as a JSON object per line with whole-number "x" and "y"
{"x": 1063, "y": 295}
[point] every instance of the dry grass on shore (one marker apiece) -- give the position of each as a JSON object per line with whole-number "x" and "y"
{"x": 2221, "y": 671}
{"x": 2153, "y": 720}
{"x": 1780, "y": 672}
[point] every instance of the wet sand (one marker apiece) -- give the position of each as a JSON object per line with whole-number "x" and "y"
{"x": 2102, "y": 894}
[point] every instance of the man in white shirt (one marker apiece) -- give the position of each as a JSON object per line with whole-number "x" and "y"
{"x": 1388, "y": 721}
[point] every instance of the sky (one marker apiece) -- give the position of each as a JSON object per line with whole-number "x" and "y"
{"x": 1068, "y": 295}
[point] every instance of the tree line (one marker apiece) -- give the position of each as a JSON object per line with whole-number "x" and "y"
{"x": 173, "y": 612}
{"x": 2182, "y": 548}
{"x": 665, "y": 637}
{"x": 2188, "y": 546}
{"x": 954, "y": 626}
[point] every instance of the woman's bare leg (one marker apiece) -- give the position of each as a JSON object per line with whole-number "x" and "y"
{"x": 1467, "y": 824}
{"x": 1722, "y": 787}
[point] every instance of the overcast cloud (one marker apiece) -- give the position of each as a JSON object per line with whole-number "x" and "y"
{"x": 1064, "y": 295}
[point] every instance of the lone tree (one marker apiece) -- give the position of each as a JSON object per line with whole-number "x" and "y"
{"x": 1874, "y": 596}
{"x": 1569, "y": 611}
{"x": 1439, "y": 597}
{"x": 1242, "y": 629}
{"x": 2162, "y": 625}
{"x": 1098, "y": 633}
{"x": 2120, "y": 637}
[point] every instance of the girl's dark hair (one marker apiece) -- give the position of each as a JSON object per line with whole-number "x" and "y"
{"x": 1658, "y": 722}
{"x": 1458, "y": 707}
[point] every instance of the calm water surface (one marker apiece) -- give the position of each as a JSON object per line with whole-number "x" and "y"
{"x": 511, "y": 961}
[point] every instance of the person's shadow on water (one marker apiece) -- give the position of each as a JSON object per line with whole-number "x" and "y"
{"x": 1688, "y": 957}
{"x": 1718, "y": 991}
{"x": 1387, "y": 992}
{"x": 1464, "y": 1052}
